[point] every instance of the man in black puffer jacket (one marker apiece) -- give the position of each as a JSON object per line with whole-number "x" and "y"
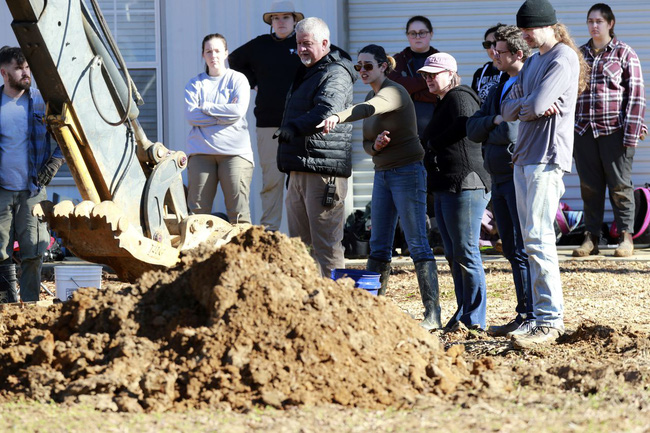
{"x": 318, "y": 165}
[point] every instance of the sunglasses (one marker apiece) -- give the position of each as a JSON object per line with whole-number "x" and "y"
{"x": 489, "y": 44}
{"x": 366, "y": 67}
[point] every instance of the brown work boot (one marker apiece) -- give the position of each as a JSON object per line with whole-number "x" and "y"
{"x": 626, "y": 247}
{"x": 589, "y": 246}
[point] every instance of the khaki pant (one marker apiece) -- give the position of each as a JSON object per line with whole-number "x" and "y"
{"x": 205, "y": 172}
{"x": 18, "y": 224}
{"x": 318, "y": 226}
{"x": 272, "y": 179}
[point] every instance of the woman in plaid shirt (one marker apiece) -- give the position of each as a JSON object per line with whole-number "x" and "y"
{"x": 609, "y": 123}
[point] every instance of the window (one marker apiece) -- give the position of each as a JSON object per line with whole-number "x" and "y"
{"x": 134, "y": 25}
{"x": 135, "y": 28}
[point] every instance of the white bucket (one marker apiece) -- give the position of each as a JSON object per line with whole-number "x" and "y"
{"x": 70, "y": 278}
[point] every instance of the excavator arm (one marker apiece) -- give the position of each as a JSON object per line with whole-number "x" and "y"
{"x": 134, "y": 215}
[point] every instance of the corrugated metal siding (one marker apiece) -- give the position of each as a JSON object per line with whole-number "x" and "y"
{"x": 458, "y": 29}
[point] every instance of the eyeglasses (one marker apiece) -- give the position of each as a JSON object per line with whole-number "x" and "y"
{"x": 366, "y": 67}
{"x": 489, "y": 44}
{"x": 431, "y": 75}
{"x": 499, "y": 53}
{"x": 420, "y": 34}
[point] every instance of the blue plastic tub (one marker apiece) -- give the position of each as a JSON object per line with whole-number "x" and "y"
{"x": 363, "y": 279}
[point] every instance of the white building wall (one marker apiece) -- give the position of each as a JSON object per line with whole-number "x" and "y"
{"x": 458, "y": 26}
{"x": 458, "y": 29}
{"x": 185, "y": 25}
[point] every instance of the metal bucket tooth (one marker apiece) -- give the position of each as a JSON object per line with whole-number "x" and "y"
{"x": 63, "y": 209}
{"x": 43, "y": 210}
{"x": 109, "y": 214}
{"x": 60, "y": 217}
{"x": 81, "y": 215}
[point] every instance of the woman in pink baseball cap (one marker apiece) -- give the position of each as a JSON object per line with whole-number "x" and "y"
{"x": 460, "y": 185}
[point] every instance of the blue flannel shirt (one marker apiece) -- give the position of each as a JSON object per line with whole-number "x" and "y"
{"x": 40, "y": 149}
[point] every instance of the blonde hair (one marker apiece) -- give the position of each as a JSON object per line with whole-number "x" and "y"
{"x": 562, "y": 34}
{"x": 455, "y": 80}
{"x": 391, "y": 64}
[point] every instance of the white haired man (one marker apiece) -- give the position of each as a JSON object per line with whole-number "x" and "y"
{"x": 318, "y": 164}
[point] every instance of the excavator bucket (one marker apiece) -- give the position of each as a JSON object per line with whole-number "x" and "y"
{"x": 134, "y": 216}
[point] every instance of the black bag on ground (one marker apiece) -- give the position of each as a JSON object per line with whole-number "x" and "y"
{"x": 641, "y": 217}
{"x": 356, "y": 236}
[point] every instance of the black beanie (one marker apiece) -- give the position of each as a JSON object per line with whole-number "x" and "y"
{"x": 536, "y": 13}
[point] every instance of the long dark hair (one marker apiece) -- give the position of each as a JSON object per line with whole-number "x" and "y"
{"x": 209, "y": 37}
{"x": 607, "y": 13}
{"x": 380, "y": 56}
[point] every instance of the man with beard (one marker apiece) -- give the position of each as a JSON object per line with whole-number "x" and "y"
{"x": 544, "y": 99}
{"x": 318, "y": 164}
{"x": 27, "y": 165}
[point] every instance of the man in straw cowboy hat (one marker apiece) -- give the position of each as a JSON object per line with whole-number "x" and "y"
{"x": 270, "y": 62}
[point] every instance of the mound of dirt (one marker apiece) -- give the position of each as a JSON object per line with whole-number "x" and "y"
{"x": 251, "y": 323}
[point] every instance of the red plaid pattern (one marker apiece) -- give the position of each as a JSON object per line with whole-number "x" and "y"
{"x": 615, "y": 97}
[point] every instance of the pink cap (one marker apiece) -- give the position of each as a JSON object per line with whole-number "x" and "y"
{"x": 439, "y": 62}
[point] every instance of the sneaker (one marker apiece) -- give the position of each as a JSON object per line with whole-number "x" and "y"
{"x": 503, "y": 330}
{"x": 524, "y": 327}
{"x": 539, "y": 336}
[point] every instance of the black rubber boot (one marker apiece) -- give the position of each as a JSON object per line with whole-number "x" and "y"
{"x": 8, "y": 282}
{"x": 427, "y": 273}
{"x": 384, "y": 269}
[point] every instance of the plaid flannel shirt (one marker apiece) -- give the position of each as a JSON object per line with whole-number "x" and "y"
{"x": 615, "y": 96}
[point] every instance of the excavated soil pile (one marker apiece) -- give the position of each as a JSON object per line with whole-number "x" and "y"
{"x": 249, "y": 324}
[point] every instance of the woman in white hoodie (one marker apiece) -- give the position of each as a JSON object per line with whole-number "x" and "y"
{"x": 218, "y": 144}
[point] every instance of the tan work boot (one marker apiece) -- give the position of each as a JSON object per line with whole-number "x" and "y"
{"x": 626, "y": 247}
{"x": 589, "y": 246}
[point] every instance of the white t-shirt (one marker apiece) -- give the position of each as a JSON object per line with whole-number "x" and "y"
{"x": 14, "y": 142}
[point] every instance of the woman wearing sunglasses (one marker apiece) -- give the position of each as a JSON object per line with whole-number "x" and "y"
{"x": 399, "y": 189}
{"x": 459, "y": 183}
{"x": 419, "y": 32}
{"x": 487, "y": 75}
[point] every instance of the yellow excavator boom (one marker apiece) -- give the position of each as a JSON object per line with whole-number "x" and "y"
{"x": 134, "y": 215}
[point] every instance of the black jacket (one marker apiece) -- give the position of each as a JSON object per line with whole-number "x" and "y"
{"x": 270, "y": 65}
{"x": 318, "y": 92}
{"x": 498, "y": 140}
{"x": 451, "y": 155}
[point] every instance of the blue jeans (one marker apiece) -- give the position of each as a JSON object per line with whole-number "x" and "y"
{"x": 504, "y": 206}
{"x": 400, "y": 192}
{"x": 459, "y": 220}
{"x": 539, "y": 189}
